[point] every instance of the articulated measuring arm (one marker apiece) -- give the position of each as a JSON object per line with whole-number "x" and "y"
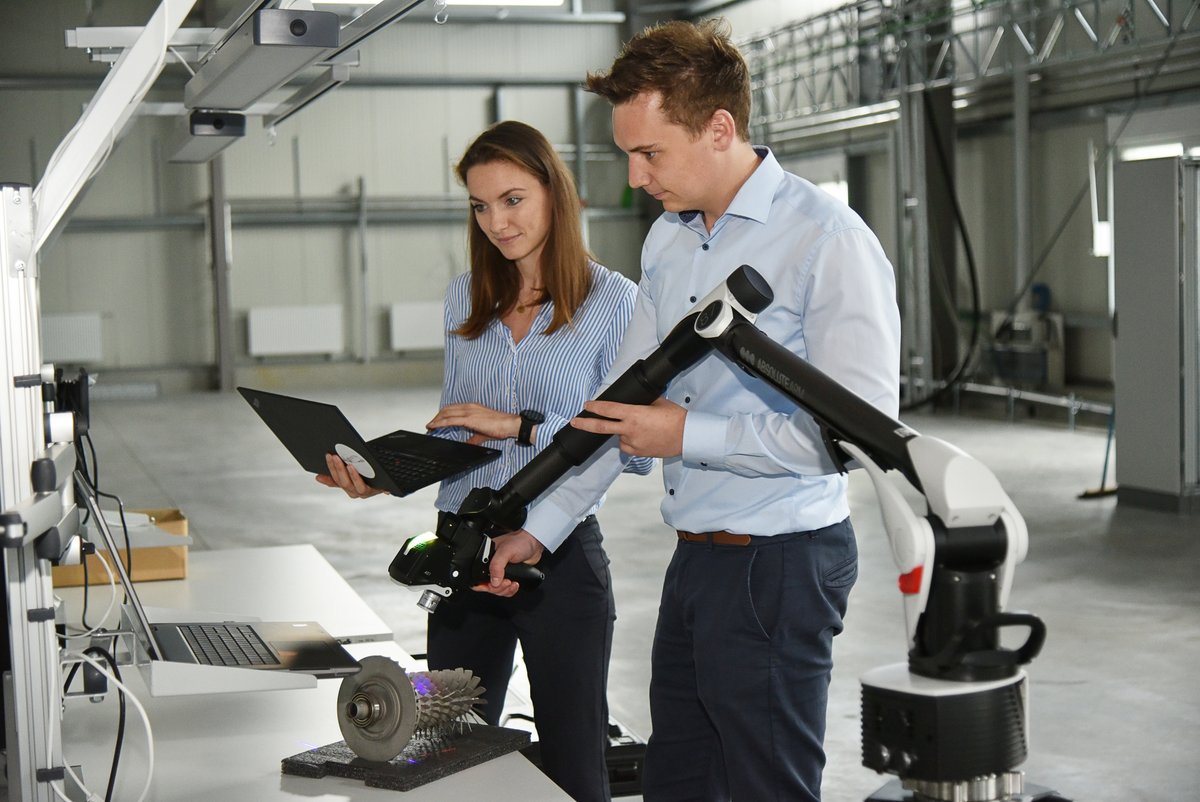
{"x": 456, "y": 557}
{"x": 956, "y": 563}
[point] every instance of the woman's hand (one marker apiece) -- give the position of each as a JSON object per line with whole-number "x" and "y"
{"x": 347, "y": 478}
{"x": 485, "y": 422}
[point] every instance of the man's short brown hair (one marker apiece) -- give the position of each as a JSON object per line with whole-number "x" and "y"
{"x": 693, "y": 66}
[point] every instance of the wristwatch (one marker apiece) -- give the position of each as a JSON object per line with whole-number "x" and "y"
{"x": 529, "y": 419}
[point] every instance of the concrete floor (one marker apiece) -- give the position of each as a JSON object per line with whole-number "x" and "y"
{"x": 1115, "y": 701}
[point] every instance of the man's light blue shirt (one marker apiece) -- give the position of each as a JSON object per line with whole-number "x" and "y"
{"x": 752, "y": 461}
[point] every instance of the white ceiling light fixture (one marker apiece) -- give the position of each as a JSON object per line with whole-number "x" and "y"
{"x": 1142, "y": 152}
{"x": 495, "y": 3}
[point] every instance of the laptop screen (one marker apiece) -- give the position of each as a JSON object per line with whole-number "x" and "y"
{"x": 138, "y": 620}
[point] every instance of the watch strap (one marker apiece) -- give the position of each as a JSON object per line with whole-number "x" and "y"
{"x": 529, "y": 419}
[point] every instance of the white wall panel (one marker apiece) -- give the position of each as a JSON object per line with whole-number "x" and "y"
{"x": 417, "y": 326}
{"x": 547, "y": 109}
{"x": 73, "y": 338}
{"x": 151, "y": 287}
{"x": 290, "y": 330}
{"x": 261, "y": 165}
{"x": 289, "y": 266}
{"x": 414, "y": 263}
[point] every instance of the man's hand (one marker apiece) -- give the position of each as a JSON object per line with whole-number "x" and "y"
{"x": 645, "y": 431}
{"x": 515, "y": 547}
{"x": 485, "y": 422}
{"x": 347, "y": 478}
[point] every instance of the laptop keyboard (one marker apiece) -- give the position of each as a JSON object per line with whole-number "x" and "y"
{"x": 227, "y": 645}
{"x": 409, "y": 469}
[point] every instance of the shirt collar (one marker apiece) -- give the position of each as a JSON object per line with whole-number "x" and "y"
{"x": 753, "y": 200}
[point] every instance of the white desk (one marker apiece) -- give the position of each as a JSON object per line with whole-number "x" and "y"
{"x": 273, "y": 583}
{"x": 228, "y": 747}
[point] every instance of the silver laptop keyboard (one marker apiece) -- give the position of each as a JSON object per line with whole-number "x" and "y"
{"x": 227, "y": 645}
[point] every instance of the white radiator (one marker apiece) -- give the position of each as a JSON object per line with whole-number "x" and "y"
{"x": 74, "y": 338}
{"x": 290, "y": 330}
{"x": 417, "y": 326}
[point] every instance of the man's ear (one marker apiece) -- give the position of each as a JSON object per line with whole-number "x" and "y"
{"x": 722, "y": 129}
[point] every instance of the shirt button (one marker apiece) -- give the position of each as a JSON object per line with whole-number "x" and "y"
{"x": 671, "y": 491}
{"x": 703, "y": 464}
{"x": 705, "y": 246}
{"x": 693, "y": 299}
{"x": 687, "y": 399}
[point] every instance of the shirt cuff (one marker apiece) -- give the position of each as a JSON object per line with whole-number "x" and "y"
{"x": 549, "y": 525}
{"x": 543, "y": 434}
{"x": 704, "y": 438}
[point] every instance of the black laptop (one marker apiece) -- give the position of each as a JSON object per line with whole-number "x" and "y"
{"x": 400, "y": 462}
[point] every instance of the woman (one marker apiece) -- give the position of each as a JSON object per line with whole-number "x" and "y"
{"x": 531, "y": 332}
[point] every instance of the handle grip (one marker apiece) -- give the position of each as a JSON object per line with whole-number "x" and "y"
{"x": 526, "y": 575}
{"x": 1020, "y": 656}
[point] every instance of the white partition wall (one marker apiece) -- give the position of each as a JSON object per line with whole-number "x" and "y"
{"x": 1155, "y": 231}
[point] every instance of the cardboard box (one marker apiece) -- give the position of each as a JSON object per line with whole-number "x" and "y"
{"x": 149, "y": 563}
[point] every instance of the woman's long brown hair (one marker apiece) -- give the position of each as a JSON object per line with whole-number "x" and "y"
{"x": 495, "y": 281}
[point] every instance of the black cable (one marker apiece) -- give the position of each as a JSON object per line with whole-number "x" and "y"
{"x": 92, "y": 480}
{"x": 124, "y": 525}
{"x": 124, "y": 529}
{"x": 83, "y": 616}
{"x": 116, "y": 671}
{"x": 972, "y": 270}
{"x": 95, "y": 462}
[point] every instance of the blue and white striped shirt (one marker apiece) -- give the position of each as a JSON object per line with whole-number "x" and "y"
{"x": 552, "y": 374}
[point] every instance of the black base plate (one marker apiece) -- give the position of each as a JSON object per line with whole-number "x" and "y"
{"x": 420, "y": 763}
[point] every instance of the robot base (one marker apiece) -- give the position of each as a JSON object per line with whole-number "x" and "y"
{"x": 895, "y": 792}
{"x": 924, "y": 729}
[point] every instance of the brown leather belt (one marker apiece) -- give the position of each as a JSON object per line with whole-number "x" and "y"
{"x": 721, "y": 538}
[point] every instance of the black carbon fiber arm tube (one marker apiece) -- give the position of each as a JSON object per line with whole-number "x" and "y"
{"x": 844, "y": 415}
{"x": 744, "y": 291}
{"x": 642, "y": 383}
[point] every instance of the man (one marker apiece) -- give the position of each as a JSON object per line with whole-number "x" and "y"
{"x": 766, "y": 554}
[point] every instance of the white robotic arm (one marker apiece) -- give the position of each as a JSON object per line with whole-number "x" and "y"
{"x": 910, "y": 537}
{"x": 961, "y": 492}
